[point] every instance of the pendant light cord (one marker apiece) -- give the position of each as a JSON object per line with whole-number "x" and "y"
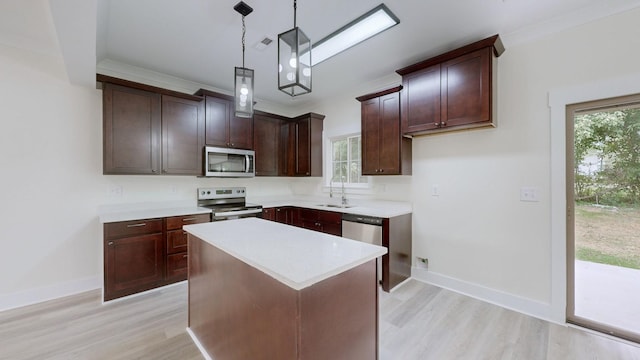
{"x": 244, "y": 29}
{"x": 295, "y": 7}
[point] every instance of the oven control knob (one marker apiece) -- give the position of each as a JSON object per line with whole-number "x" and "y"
{"x": 208, "y": 192}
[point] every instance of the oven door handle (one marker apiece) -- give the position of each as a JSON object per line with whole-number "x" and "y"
{"x": 237, "y": 213}
{"x": 247, "y": 163}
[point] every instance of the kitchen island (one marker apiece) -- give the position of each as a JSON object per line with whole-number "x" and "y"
{"x": 264, "y": 290}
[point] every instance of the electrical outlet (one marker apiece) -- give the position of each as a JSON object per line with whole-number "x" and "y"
{"x": 422, "y": 263}
{"x": 529, "y": 194}
{"x": 116, "y": 191}
{"x": 435, "y": 190}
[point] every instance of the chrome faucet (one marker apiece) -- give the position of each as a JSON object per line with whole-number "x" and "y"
{"x": 344, "y": 196}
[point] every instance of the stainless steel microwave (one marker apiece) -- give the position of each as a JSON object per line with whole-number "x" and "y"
{"x": 223, "y": 162}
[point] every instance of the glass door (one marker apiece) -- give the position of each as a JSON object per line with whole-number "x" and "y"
{"x": 603, "y": 216}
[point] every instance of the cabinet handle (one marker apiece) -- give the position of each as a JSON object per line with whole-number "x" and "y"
{"x": 136, "y": 225}
{"x": 184, "y": 233}
{"x": 185, "y": 256}
{"x": 110, "y": 243}
{"x": 443, "y": 124}
{"x": 233, "y": 145}
{"x": 188, "y": 219}
{"x": 153, "y": 170}
{"x": 278, "y": 210}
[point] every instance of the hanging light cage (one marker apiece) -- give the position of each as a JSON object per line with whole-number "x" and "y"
{"x": 243, "y": 86}
{"x": 243, "y": 77}
{"x": 294, "y": 62}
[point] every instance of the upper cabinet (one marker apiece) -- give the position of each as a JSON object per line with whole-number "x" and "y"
{"x": 266, "y": 143}
{"x": 182, "y": 135}
{"x": 223, "y": 128}
{"x": 132, "y": 130}
{"x": 151, "y": 131}
{"x": 301, "y": 146}
{"x": 452, "y": 91}
{"x": 384, "y": 150}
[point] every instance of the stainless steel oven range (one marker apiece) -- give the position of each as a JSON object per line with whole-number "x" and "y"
{"x": 227, "y": 203}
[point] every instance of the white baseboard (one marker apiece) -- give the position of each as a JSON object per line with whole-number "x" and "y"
{"x": 37, "y": 295}
{"x": 526, "y": 306}
{"x": 203, "y": 351}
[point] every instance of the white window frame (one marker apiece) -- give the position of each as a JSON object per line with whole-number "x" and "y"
{"x": 336, "y": 184}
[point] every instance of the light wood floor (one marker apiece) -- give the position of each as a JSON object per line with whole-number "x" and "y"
{"x": 417, "y": 321}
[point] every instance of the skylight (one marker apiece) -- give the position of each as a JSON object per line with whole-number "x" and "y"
{"x": 370, "y": 24}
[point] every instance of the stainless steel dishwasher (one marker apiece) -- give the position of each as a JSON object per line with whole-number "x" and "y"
{"x": 366, "y": 229}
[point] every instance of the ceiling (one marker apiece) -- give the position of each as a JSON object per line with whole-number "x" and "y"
{"x": 200, "y": 40}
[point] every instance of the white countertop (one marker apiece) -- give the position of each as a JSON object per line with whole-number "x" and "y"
{"x": 294, "y": 256}
{"x": 127, "y": 212}
{"x": 378, "y": 208}
{"x": 150, "y": 213}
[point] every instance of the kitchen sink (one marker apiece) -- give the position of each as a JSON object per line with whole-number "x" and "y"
{"x": 336, "y": 206}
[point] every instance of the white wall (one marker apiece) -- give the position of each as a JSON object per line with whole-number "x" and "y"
{"x": 478, "y": 236}
{"x": 52, "y": 182}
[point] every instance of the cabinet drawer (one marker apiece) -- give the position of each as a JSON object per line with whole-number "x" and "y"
{"x": 177, "y": 266}
{"x": 130, "y": 228}
{"x": 176, "y": 222}
{"x": 176, "y": 241}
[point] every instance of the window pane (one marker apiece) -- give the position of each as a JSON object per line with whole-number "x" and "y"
{"x": 354, "y": 144}
{"x": 346, "y": 162}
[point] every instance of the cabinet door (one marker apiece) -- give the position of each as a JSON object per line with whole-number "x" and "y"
{"x": 308, "y": 145}
{"x": 266, "y": 145}
{"x": 269, "y": 214}
{"x": 421, "y": 100}
{"x": 466, "y": 89}
{"x": 303, "y": 147}
{"x": 389, "y": 135}
{"x": 132, "y": 130}
{"x": 218, "y": 112}
{"x": 370, "y": 127}
{"x": 182, "y": 136}
{"x": 240, "y": 132}
{"x": 133, "y": 264}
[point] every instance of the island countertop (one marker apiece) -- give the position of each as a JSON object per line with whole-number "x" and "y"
{"x": 294, "y": 256}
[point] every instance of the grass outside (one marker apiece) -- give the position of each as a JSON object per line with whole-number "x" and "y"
{"x": 608, "y": 235}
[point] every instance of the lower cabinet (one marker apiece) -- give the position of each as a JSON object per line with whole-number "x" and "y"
{"x": 283, "y": 214}
{"x": 176, "y": 245}
{"x": 328, "y": 222}
{"x": 133, "y": 257}
{"x": 144, "y": 254}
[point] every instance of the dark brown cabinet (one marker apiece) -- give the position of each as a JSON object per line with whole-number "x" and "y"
{"x": 302, "y": 142}
{"x": 286, "y": 146}
{"x": 282, "y": 214}
{"x": 144, "y": 254}
{"x": 319, "y": 220}
{"x": 384, "y": 150}
{"x": 266, "y": 143}
{"x": 148, "y": 130}
{"x": 182, "y": 136}
{"x": 452, "y": 91}
{"x": 223, "y": 128}
{"x": 133, "y": 257}
{"x": 176, "y": 244}
{"x": 132, "y": 130}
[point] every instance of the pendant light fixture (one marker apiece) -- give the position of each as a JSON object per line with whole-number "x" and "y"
{"x": 294, "y": 60}
{"x": 243, "y": 85}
